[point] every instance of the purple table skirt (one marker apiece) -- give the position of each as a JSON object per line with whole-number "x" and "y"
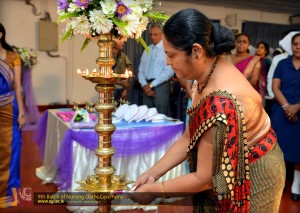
{"x": 31, "y": 109}
{"x": 136, "y": 139}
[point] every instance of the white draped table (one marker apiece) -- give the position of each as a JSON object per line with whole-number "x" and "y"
{"x": 84, "y": 160}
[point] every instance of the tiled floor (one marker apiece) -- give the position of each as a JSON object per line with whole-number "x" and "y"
{"x": 30, "y": 161}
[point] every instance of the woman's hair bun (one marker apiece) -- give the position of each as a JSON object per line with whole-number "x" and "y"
{"x": 223, "y": 39}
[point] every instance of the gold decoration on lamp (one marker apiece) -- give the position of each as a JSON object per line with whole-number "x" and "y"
{"x": 104, "y": 179}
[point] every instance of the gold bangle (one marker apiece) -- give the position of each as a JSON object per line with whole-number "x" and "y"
{"x": 163, "y": 190}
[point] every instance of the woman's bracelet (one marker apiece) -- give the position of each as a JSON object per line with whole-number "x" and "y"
{"x": 284, "y": 106}
{"x": 21, "y": 115}
{"x": 163, "y": 190}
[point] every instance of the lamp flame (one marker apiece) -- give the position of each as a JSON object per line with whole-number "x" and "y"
{"x": 128, "y": 73}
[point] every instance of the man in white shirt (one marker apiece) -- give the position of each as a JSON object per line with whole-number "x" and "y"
{"x": 154, "y": 75}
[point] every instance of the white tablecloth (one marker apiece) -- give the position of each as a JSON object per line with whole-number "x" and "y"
{"x": 85, "y": 160}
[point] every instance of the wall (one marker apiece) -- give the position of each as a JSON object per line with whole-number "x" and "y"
{"x": 54, "y": 78}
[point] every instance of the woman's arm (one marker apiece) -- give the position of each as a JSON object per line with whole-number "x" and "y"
{"x": 290, "y": 110}
{"x": 252, "y": 71}
{"x": 188, "y": 184}
{"x": 18, "y": 92}
{"x": 174, "y": 156}
{"x": 255, "y": 74}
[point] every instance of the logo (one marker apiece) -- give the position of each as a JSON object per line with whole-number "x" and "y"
{"x": 21, "y": 196}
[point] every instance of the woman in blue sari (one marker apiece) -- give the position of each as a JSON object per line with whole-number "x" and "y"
{"x": 11, "y": 120}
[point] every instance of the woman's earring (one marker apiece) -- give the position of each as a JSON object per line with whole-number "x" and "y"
{"x": 196, "y": 53}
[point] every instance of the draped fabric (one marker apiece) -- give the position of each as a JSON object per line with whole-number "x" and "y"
{"x": 262, "y": 81}
{"x": 259, "y": 31}
{"x": 231, "y": 157}
{"x": 6, "y": 83}
{"x": 31, "y": 109}
{"x": 129, "y": 139}
{"x": 10, "y": 135}
{"x": 40, "y": 135}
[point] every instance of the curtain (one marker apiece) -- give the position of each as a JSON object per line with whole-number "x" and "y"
{"x": 270, "y": 33}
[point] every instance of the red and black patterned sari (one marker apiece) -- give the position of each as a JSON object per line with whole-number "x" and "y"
{"x": 231, "y": 156}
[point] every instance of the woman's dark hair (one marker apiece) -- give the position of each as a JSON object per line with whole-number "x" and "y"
{"x": 293, "y": 38}
{"x": 4, "y": 44}
{"x": 242, "y": 34}
{"x": 266, "y": 45}
{"x": 190, "y": 26}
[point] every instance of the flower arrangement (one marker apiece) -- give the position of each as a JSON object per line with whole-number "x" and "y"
{"x": 28, "y": 56}
{"x": 81, "y": 115}
{"x": 124, "y": 18}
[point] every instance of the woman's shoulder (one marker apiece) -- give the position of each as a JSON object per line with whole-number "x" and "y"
{"x": 12, "y": 55}
{"x": 13, "y": 58}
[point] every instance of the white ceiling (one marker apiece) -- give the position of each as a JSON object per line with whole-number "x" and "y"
{"x": 291, "y": 7}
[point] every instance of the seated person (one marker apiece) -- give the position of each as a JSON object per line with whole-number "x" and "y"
{"x": 122, "y": 63}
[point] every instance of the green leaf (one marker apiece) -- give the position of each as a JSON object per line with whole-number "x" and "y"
{"x": 143, "y": 43}
{"x": 85, "y": 43}
{"x": 121, "y": 24}
{"x": 67, "y": 15}
{"x": 157, "y": 16}
{"x": 68, "y": 34}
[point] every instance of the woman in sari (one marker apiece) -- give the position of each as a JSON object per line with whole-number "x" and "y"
{"x": 250, "y": 66}
{"x": 235, "y": 162}
{"x": 11, "y": 120}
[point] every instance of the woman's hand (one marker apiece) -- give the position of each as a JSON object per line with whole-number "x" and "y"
{"x": 144, "y": 179}
{"x": 21, "y": 121}
{"x": 291, "y": 112}
{"x": 248, "y": 73}
{"x": 143, "y": 194}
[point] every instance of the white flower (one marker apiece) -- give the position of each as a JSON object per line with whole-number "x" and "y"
{"x": 73, "y": 7}
{"x": 60, "y": 12}
{"x": 100, "y": 23}
{"x": 145, "y": 4}
{"x": 28, "y": 56}
{"x": 128, "y": 17}
{"x": 136, "y": 9}
{"x": 132, "y": 23}
{"x": 142, "y": 27}
{"x": 81, "y": 25}
{"x": 108, "y": 7}
{"x": 81, "y": 115}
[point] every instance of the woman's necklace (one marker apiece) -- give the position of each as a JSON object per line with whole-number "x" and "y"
{"x": 208, "y": 76}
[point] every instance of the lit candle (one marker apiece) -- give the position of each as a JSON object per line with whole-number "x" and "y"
{"x": 79, "y": 72}
{"x": 87, "y": 72}
{"x": 94, "y": 72}
{"x": 128, "y": 73}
